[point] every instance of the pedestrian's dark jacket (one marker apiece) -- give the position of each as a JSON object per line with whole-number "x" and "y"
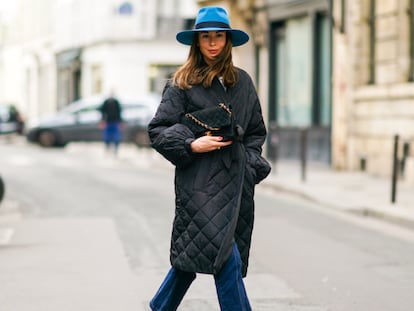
{"x": 111, "y": 110}
{"x": 214, "y": 190}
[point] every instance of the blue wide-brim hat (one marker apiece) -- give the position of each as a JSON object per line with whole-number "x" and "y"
{"x": 212, "y": 18}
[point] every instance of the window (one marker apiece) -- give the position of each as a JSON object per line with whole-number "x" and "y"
{"x": 189, "y": 23}
{"x": 168, "y": 20}
{"x": 96, "y": 78}
{"x": 292, "y": 53}
{"x": 279, "y": 69}
{"x": 322, "y": 71}
{"x": 125, "y": 9}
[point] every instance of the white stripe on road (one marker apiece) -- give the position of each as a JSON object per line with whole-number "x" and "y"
{"x": 6, "y": 235}
{"x": 21, "y": 160}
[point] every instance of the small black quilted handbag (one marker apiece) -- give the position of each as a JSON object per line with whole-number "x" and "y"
{"x": 214, "y": 121}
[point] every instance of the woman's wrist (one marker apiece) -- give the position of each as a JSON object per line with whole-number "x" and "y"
{"x": 188, "y": 143}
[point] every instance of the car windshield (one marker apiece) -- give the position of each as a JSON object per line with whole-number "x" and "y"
{"x": 4, "y": 113}
{"x": 80, "y": 105}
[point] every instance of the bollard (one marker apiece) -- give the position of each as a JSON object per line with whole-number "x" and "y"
{"x": 394, "y": 170}
{"x": 363, "y": 163}
{"x": 303, "y": 149}
{"x": 405, "y": 155}
{"x": 273, "y": 143}
{"x": 2, "y": 189}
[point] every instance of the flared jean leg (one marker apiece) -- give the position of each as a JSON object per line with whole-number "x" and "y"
{"x": 172, "y": 290}
{"x": 230, "y": 288}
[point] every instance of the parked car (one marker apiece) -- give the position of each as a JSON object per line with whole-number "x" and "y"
{"x": 11, "y": 121}
{"x": 79, "y": 121}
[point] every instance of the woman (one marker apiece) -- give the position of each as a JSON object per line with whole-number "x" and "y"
{"x": 214, "y": 178}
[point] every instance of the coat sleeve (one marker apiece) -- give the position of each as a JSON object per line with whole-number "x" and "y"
{"x": 254, "y": 138}
{"x": 167, "y": 135}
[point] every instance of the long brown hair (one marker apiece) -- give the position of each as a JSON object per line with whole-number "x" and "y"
{"x": 196, "y": 71}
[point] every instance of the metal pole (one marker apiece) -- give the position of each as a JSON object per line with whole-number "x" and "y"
{"x": 2, "y": 189}
{"x": 303, "y": 149}
{"x": 394, "y": 170}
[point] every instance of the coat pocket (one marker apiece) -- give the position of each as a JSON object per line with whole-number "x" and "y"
{"x": 250, "y": 175}
{"x": 260, "y": 165}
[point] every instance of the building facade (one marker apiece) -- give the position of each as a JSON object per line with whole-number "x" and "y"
{"x": 57, "y": 51}
{"x": 290, "y": 57}
{"x": 339, "y": 73}
{"x": 373, "y": 85}
{"x": 300, "y": 101}
{"x": 27, "y": 62}
{"x": 341, "y": 70}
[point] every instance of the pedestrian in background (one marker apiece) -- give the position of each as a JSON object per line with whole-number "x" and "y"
{"x": 16, "y": 117}
{"x": 214, "y": 177}
{"x": 111, "y": 122}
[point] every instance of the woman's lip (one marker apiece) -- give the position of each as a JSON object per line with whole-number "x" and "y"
{"x": 213, "y": 51}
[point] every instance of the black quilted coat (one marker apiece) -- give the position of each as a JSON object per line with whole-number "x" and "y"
{"x": 214, "y": 190}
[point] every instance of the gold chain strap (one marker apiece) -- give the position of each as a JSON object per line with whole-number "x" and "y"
{"x": 223, "y": 106}
{"x": 202, "y": 124}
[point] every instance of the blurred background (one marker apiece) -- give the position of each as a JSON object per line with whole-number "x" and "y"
{"x": 335, "y": 79}
{"x": 341, "y": 70}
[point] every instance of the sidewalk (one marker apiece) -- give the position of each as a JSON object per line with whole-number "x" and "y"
{"x": 356, "y": 192}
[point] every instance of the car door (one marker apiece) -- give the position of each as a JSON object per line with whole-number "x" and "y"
{"x": 85, "y": 125}
{"x": 6, "y": 126}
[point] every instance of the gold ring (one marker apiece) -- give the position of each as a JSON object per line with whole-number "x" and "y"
{"x": 218, "y": 148}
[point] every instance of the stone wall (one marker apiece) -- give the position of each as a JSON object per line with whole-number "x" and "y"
{"x": 377, "y": 111}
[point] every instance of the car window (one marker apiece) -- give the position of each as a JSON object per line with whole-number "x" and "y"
{"x": 135, "y": 111}
{"x": 4, "y": 113}
{"x": 88, "y": 109}
{"x": 89, "y": 114}
{"x": 82, "y": 104}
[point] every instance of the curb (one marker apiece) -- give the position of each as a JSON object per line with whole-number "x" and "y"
{"x": 388, "y": 214}
{"x": 393, "y": 218}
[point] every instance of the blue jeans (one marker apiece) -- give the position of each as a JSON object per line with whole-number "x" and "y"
{"x": 230, "y": 288}
{"x": 112, "y": 133}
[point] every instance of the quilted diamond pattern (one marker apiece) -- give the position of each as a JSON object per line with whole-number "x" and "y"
{"x": 214, "y": 191}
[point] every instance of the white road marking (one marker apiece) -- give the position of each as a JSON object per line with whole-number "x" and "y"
{"x": 6, "y": 235}
{"x": 21, "y": 160}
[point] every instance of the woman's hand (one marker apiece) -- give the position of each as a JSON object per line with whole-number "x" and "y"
{"x": 208, "y": 143}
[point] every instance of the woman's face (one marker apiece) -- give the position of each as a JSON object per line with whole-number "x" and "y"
{"x": 211, "y": 44}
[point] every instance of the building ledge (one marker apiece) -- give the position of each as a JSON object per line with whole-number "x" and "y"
{"x": 381, "y": 92}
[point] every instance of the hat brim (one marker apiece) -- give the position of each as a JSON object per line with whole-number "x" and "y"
{"x": 238, "y": 37}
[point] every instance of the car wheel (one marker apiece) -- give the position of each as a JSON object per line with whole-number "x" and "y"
{"x": 47, "y": 139}
{"x": 2, "y": 189}
{"x": 141, "y": 138}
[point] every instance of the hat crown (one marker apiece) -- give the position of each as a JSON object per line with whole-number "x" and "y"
{"x": 212, "y": 18}
{"x": 212, "y": 14}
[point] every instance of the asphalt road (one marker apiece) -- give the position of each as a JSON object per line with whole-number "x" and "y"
{"x": 304, "y": 257}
